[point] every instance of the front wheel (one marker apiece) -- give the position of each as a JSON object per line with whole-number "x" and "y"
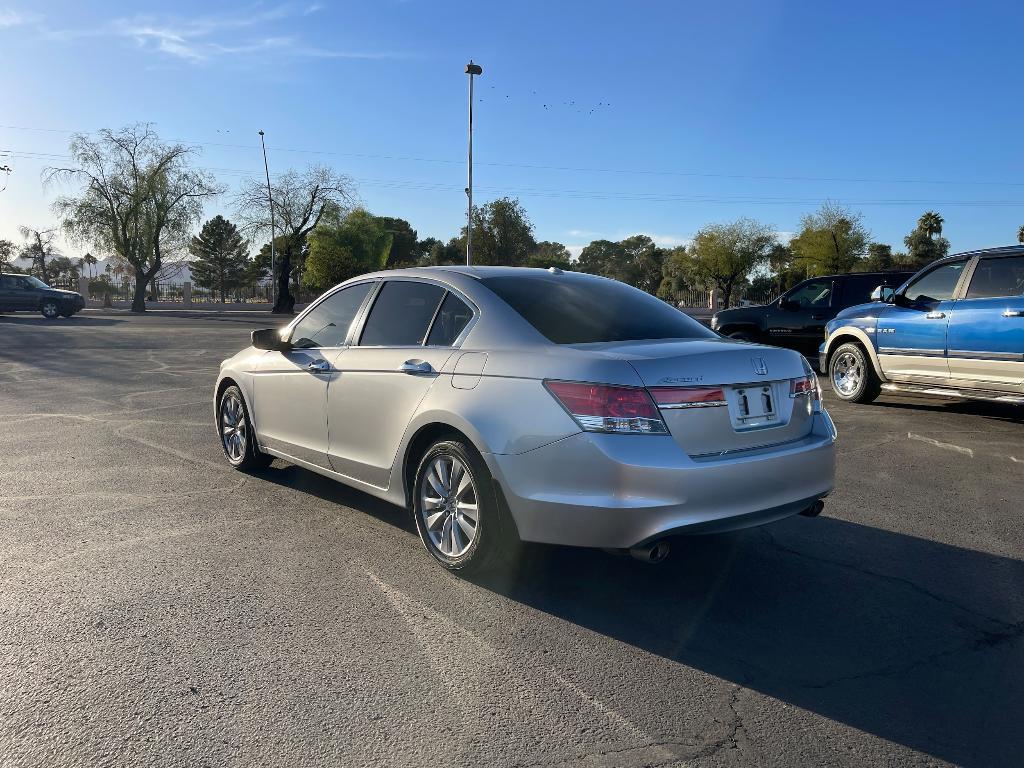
{"x": 852, "y": 376}
{"x": 457, "y": 515}
{"x": 50, "y": 309}
{"x": 237, "y": 438}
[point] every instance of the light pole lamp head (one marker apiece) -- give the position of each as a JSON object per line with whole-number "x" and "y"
{"x": 474, "y": 69}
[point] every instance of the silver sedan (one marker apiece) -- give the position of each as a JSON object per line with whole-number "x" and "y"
{"x": 503, "y": 405}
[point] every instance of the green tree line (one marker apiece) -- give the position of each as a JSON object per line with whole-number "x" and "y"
{"x": 138, "y": 199}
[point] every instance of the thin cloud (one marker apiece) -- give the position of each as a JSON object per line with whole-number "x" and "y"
{"x": 204, "y": 38}
{"x": 12, "y": 18}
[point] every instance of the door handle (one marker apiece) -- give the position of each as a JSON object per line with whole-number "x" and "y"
{"x": 818, "y": 317}
{"x": 319, "y": 366}
{"x": 416, "y": 367}
{"x": 935, "y": 315}
{"x": 1013, "y": 313}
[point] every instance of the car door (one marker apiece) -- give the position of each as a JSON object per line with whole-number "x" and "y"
{"x": 911, "y": 334}
{"x": 408, "y": 335}
{"x": 986, "y": 330}
{"x": 6, "y": 293}
{"x": 797, "y": 320}
{"x": 290, "y": 387}
{"x": 21, "y": 294}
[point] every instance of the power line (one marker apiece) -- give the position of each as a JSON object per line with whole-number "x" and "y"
{"x": 578, "y": 194}
{"x": 575, "y": 169}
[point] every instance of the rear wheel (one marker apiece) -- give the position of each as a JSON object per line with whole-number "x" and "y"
{"x": 852, "y": 376}
{"x": 457, "y": 515}
{"x": 49, "y": 309}
{"x": 237, "y": 438}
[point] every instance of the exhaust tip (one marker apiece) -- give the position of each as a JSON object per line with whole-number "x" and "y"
{"x": 815, "y": 509}
{"x": 654, "y": 552}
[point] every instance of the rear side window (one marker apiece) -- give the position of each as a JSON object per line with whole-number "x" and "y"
{"x": 997, "y": 277}
{"x": 576, "y": 310}
{"x": 401, "y": 314}
{"x": 327, "y": 324}
{"x": 451, "y": 320}
{"x": 937, "y": 285}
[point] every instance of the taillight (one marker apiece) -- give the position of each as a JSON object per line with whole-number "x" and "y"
{"x": 688, "y": 397}
{"x": 608, "y": 408}
{"x": 807, "y": 387}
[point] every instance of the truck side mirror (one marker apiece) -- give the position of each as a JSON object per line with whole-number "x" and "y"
{"x": 883, "y": 293}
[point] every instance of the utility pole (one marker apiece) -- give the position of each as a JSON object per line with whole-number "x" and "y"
{"x": 270, "y": 196}
{"x": 471, "y": 70}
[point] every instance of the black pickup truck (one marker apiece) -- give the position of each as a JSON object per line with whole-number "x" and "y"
{"x": 797, "y": 318}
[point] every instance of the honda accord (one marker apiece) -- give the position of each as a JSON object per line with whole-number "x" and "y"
{"x": 503, "y": 405}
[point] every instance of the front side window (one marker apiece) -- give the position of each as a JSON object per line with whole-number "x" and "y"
{"x": 401, "y": 314}
{"x": 576, "y": 310}
{"x": 993, "y": 278}
{"x": 451, "y": 320}
{"x": 816, "y": 293}
{"x": 328, "y": 323}
{"x": 937, "y": 285}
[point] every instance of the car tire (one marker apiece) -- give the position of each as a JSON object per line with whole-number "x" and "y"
{"x": 50, "y": 309}
{"x": 852, "y": 375}
{"x": 237, "y": 437}
{"x": 444, "y": 515}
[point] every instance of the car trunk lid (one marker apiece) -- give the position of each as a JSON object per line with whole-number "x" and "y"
{"x": 718, "y": 396}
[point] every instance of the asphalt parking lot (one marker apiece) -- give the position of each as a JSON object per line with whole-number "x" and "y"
{"x": 159, "y": 608}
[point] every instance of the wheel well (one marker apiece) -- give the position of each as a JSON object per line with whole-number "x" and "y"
{"x": 425, "y": 437}
{"x": 845, "y": 338}
{"x": 226, "y": 382}
{"x": 750, "y": 328}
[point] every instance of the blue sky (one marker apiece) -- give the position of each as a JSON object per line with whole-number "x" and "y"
{"x": 605, "y": 119}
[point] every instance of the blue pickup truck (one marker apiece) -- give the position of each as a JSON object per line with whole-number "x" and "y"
{"x": 955, "y": 329}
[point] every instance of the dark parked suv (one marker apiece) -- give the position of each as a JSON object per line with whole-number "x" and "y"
{"x": 797, "y": 318}
{"x": 24, "y": 293}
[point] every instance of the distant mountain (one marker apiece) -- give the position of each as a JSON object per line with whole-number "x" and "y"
{"x": 171, "y": 273}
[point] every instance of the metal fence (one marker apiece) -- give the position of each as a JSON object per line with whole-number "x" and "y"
{"x": 253, "y": 293}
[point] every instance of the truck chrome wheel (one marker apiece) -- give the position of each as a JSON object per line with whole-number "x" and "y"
{"x": 847, "y": 373}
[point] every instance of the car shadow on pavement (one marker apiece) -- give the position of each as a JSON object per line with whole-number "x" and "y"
{"x": 918, "y": 642}
{"x": 61, "y": 322}
{"x": 915, "y": 641}
{"x": 988, "y": 410}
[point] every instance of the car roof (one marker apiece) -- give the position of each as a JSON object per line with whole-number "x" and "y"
{"x": 1003, "y": 250}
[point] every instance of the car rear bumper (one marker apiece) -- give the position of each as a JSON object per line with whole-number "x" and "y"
{"x": 617, "y": 491}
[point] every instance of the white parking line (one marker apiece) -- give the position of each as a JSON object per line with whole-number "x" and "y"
{"x": 937, "y": 444}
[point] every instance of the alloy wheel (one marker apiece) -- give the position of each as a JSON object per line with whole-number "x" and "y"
{"x": 448, "y": 506}
{"x": 233, "y": 430}
{"x": 847, "y": 373}
{"x": 50, "y": 309}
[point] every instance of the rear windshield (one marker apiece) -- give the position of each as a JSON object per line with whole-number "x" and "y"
{"x": 570, "y": 310}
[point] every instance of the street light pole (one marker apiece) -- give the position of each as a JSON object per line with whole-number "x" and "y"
{"x": 471, "y": 70}
{"x": 270, "y": 196}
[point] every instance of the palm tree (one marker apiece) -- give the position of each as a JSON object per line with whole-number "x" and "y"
{"x": 1020, "y": 235}
{"x": 930, "y": 223}
{"x": 90, "y": 260}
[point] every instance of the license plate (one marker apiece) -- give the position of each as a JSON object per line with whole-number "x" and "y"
{"x": 753, "y": 405}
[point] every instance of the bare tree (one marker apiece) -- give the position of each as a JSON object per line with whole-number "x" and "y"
{"x": 300, "y": 200}
{"x": 139, "y": 194}
{"x": 39, "y": 248}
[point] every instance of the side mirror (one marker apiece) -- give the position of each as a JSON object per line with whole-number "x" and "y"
{"x": 883, "y": 293}
{"x": 270, "y": 339}
{"x": 789, "y": 305}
